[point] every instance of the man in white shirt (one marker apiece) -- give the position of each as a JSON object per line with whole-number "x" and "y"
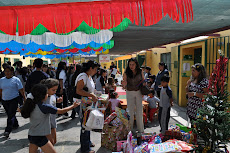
{"x": 114, "y": 72}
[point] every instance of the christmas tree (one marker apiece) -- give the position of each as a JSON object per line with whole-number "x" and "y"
{"x": 213, "y": 120}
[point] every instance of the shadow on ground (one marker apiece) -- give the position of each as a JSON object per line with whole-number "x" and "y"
{"x": 100, "y": 150}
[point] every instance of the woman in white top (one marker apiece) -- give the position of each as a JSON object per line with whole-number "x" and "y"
{"x": 61, "y": 76}
{"x": 85, "y": 88}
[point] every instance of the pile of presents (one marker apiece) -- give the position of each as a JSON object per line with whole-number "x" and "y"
{"x": 152, "y": 143}
{"x": 116, "y": 128}
{"x": 180, "y": 132}
{"x": 116, "y": 137}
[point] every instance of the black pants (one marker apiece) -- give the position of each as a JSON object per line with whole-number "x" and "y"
{"x": 65, "y": 100}
{"x": 20, "y": 99}
{"x": 192, "y": 120}
{"x": 10, "y": 107}
{"x": 70, "y": 98}
{"x": 163, "y": 117}
{"x": 85, "y": 139}
{"x": 113, "y": 76}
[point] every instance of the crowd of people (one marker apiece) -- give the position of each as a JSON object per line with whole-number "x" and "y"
{"x": 160, "y": 97}
{"x": 40, "y": 92}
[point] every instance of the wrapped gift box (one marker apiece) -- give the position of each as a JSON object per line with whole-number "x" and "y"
{"x": 134, "y": 143}
{"x": 116, "y": 122}
{"x": 108, "y": 142}
{"x": 110, "y": 117}
{"x": 143, "y": 148}
{"x": 120, "y": 145}
{"x": 147, "y": 136}
{"x": 189, "y": 137}
{"x": 112, "y": 134}
{"x": 171, "y": 134}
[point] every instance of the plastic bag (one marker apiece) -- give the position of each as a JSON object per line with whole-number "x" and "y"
{"x": 96, "y": 119}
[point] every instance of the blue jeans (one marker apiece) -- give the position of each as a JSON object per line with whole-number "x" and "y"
{"x": 85, "y": 140}
{"x": 10, "y": 107}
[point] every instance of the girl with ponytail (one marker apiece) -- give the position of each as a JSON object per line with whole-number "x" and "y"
{"x": 39, "y": 114}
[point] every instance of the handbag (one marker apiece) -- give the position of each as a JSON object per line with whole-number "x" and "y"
{"x": 144, "y": 89}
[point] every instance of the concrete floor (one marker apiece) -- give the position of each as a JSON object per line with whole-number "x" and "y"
{"x": 68, "y": 135}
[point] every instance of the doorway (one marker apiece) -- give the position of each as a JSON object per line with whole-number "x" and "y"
{"x": 197, "y": 55}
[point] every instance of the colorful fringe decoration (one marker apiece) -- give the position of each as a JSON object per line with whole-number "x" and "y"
{"x": 66, "y": 17}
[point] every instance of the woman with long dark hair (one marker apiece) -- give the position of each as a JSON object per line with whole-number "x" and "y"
{"x": 78, "y": 69}
{"x": 163, "y": 71}
{"x": 62, "y": 89}
{"x": 76, "y": 73}
{"x": 10, "y": 86}
{"x": 132, "y": 77}
{"x": 85, "y": 88}
{"x": 70, "y": 74}
{"x": 196, "y": 88}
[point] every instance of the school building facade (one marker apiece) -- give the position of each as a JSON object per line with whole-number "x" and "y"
{"x": 180, "y": 57}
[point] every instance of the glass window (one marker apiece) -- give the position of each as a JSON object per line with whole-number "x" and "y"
{"x": 166, "y": 58}
{"x": 6, "y": 59}
{"x": 31, "y": 62}
{"x": 16, "y": 59}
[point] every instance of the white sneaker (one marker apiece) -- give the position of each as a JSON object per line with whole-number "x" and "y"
{"x": 65, "y": 116}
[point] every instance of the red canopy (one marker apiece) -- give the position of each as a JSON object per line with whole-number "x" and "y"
{"x": 65, "y": 17}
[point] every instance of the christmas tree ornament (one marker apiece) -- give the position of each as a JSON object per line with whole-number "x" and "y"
{"x": 206, "y": 149}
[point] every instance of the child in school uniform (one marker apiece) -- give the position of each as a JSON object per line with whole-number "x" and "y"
{"x": 166, "y": 101}
{"x": 52, "y": 85}
{"x": 153, "y": 102}
{"x": 39, "y": 114}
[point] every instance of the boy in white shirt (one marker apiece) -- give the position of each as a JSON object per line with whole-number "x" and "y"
{"x": 153, "y": 104}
